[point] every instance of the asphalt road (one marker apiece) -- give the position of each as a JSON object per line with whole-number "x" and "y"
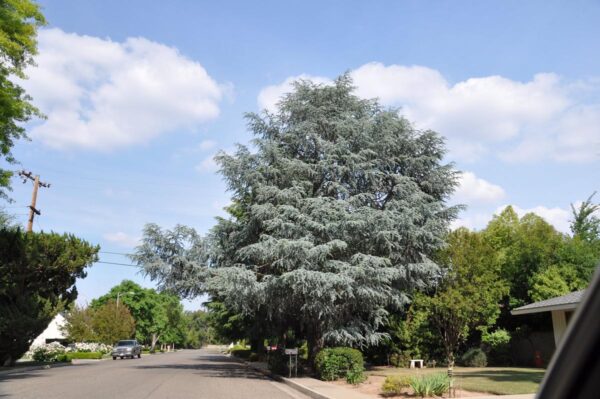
{"x": 179, "y": 375}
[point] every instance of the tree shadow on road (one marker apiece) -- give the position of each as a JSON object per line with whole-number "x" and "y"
{"x": 217, "y": 367}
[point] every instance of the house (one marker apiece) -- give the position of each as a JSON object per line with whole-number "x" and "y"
{"x": 52, "y": 333}
{"x": 561, "y": 308}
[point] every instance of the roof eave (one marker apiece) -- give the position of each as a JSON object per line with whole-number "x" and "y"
{"x": 541, "y": 309}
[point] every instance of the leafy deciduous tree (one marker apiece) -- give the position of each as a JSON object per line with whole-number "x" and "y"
{"x": 19, "y": 20}
{"x": 469, "y": 294}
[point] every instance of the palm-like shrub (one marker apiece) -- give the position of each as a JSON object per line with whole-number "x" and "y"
{"x": 430, "y": 384}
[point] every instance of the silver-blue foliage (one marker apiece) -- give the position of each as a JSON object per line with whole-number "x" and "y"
{"x": 337, "y": 206}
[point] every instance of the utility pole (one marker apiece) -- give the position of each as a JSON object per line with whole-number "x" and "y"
{"x": 36, "y": 184}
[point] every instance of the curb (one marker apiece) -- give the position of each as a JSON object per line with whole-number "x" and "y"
{"x": 287, "y": 381}
{"x": 33, "y": 368}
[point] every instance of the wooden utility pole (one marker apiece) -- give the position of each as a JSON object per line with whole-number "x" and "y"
{"x": 36, "y": 184}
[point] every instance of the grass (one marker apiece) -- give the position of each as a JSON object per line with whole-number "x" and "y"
{"x": 494, "y": 380}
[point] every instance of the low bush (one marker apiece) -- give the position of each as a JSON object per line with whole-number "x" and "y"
{"x": 278, "y": 362}
{"x": 394, "y": 384}
{"x": 334, "y": 363}
{"x": 401, "y": 359}
{"x": 474, "y": 357}
{"x": 84, "y": 355}
{"x": 430, "y": 384}
{"x": 89, "y": 347}
{"x": 51, "y": 352}
{"x": 241, "y": 353}
{"x": 253, "y": 357}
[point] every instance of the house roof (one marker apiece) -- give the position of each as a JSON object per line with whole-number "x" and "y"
{"x": 565, "y": 302}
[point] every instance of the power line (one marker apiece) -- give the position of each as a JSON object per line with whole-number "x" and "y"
{"x": 113, "y": 180}
{"x": 114, "y": 253}
{"x": 118, "y": 264}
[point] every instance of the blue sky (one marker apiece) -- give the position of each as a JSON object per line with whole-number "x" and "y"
{"x": 139, "y": 95}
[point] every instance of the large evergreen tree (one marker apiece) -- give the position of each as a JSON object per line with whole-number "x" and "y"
{"x": 37, "y": 280}
{"x": 338, "y": 206}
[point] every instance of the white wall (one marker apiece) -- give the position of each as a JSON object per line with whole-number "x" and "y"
{"x": 559, "y": 325}
{"x": 52, "y": 331}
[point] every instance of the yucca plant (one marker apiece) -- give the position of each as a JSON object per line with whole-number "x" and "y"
{"x": 430, "y": 384}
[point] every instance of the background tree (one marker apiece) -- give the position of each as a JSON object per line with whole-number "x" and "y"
{"x": 524, "y": 246}
{"x": 156, "y": 314}
{"x": 198, "y": 331}
{"x": 469, "y": 294}
{"x": 338, "y": 212}
{"x": 37, "y": 280}
{"x": 586, "y": 220}
{"x": 112, "y": 323}
{"x": 19, "y": 20}
{"x": 79, "y": 324}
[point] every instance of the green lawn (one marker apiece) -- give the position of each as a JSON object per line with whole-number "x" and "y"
{"x": 495, "y": 380}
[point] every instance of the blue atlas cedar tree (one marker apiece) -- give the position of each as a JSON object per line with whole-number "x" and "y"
{"x": 337, "y": 207}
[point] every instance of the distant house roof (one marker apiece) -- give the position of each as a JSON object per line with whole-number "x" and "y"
{"x": 565, "y": 302}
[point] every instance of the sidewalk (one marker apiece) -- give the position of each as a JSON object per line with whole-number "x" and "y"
{"x": 522, "y": 396}
{"x": 17, "y": 369}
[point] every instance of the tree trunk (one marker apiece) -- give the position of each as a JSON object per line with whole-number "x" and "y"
{"x": 257, "y": 345}
{"x": 155, "y": 338}
{"x": 315, "y": 343}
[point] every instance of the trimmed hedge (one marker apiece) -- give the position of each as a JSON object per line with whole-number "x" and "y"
{"x": 84, "y": 355}
{"x": 334, "y": 363}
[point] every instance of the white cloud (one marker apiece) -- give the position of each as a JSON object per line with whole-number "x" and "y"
{"x": 100, "y": 94}
{"x": 544, "y": 118}
{"x": 206, "y": 145}
{"x": 122, "y": 239}
{"x": 473, "y": 189}
{"x": 208, "y": 165}
{"x": 270, "y": 95}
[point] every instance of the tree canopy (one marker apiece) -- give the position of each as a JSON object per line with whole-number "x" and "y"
{"x": 157, "y": 315}
{"x": 337, "y": 210}
{"x": 37, "y": 280}
{"x": 19, "y": 21}
{"x": 107, "y": 323}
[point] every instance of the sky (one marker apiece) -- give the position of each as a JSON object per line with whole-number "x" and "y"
{"x": 140, "y": 95}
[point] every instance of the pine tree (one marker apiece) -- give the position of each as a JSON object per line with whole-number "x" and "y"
{"x": 337, "y": 208}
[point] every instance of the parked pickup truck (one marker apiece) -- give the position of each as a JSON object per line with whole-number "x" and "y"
{"x": 127, "y": 348}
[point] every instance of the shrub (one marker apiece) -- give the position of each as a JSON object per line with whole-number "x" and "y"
{"x": 84, "y": 355}
{"x": 474, "y": 357}
{"x": 401, "y": 359}
{"x": 334, "y": 363}
{"x": 393, "y": 384}
{"x": 241, "y": 353}
{"x": 497, "y": 346}
{"x": 48, "y": 352}
{"x": 253, "y": 357}
{"x": 89, "y": 347}
{"x": 277, "y": 361}
{"x": 430, "y": 384}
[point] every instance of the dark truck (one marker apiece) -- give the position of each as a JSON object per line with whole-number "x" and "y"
{"x": 127, "y": 348}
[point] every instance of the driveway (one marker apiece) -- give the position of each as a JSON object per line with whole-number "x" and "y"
{"x": 179, "y": 375}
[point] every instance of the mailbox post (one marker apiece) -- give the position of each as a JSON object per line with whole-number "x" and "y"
{"x": 292, "y": 353}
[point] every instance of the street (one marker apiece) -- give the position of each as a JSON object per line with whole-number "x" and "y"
{"x": 183, "y": 374}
